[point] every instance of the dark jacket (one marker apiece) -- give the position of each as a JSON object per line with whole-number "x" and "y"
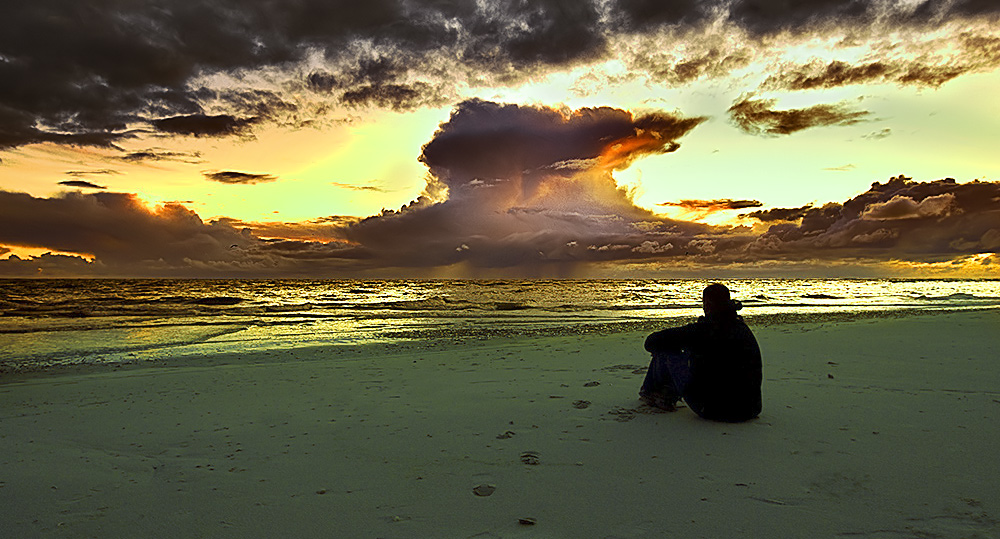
{"x": 726, "y": 369}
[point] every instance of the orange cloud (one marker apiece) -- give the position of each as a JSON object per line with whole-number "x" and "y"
{"x": 619, "y": 154}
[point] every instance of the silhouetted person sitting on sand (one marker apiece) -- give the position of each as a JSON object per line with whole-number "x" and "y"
{"x": 713, "y": 364}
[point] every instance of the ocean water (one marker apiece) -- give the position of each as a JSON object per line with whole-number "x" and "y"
{"x": 61, "y": 322}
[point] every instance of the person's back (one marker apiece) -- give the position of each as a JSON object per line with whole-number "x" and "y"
{"x": 725, "y": 371}
{"x": 714, "y": 364}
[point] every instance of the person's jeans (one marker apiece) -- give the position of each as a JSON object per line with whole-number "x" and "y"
{"x": 668, "y": 376}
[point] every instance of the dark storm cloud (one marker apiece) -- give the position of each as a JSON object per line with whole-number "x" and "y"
{"x": 18, "y": 128}
{"x": 972, "y": 53}
{"x": 253, "y": 104}
{"x": 516, "y": 189}
{"x": 834, "y": 74}
{"x": 116, "y": 228}
{"x": 126, "y": 238}
{"x": 520, "y": 186}
{"x": 234, "y": 177}
{"x": 899, "y": 219}
{"x": 768, "y": 16}
{"x": 486, "y": 141}
{"x": 83, "y": 73}
{"x": 758, "y": 116}
{"x": 82, "y": 184}
{"x": 392, "y": 96}
{"x": 96, "y": 72}
{"x": 838, "y": 73}
{"x": 780, "y": 214}
{"x": 202, "y": 125}
{"x": 699, "y": 60}
{"x": 513, "y": 188}
{"x": 649, "y": 14}
{"x": 904, "y": 207}
{"x": 377, "y": 81}
{"x": 937, "y": 8}
{"x": 506, "y": 36}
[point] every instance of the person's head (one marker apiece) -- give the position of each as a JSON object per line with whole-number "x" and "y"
{"x": 717, "y": 301}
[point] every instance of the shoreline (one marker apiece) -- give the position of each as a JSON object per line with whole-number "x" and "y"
{"x": 878, "y": 426}
{"x": 186, "y": 354}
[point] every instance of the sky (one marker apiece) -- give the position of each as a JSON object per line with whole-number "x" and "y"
{"x": 493, "y": 139}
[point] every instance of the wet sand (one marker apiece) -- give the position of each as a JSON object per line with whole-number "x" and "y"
{"x": 871, "y": 427}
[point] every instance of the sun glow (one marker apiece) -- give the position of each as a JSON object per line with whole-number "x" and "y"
{"x": 25, "y": 253}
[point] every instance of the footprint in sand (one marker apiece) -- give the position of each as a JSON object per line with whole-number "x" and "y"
{"x": 581, "y": 404}
{"x": 484, "y": 490}
{"x": 530, "y": 458}
{"x": 628, "y": 414}
{"x": 623, "y": 414}
{"x": 634, "y": 369}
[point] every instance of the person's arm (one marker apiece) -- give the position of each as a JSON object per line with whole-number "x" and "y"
{"x": 672, "y": 339}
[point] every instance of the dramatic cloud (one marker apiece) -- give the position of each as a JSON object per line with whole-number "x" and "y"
{"x": 940, "y": 60}
{"x": 202, "y": 125}
{"x": 85, "y": 74}
{"x": 901, "y": 220}
{"x": 522, "y": 190}
{"x": 768, "y": 16}
{"x": 838, "y": 73}
{"x": 393, "y": 96}
{"x": 125, "y": 238}
{"x": 714, "y": 205}
{"x": 904, "y": 207}
{"x": 99, "y": 72}
{"x": 700, "y": 209}
{"x": 703, "y": 56}
{"x": 898, "y": 219}
{"x": 117, "y": 229}
{"x": 234, "y": 177}
{"x": 757, "y": 116}
{"x": 489, "y": 141}
{"x": 521, "y": 186}
{"x": 326, "y": 229}
{"x": 650, "y": 14}
{"x": 82, "y": 184}
{"x": 780, "y": 214}
{"x": 509, "y": 187}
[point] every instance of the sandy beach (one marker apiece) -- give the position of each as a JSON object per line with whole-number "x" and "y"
{"x": 871, "y": 428}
